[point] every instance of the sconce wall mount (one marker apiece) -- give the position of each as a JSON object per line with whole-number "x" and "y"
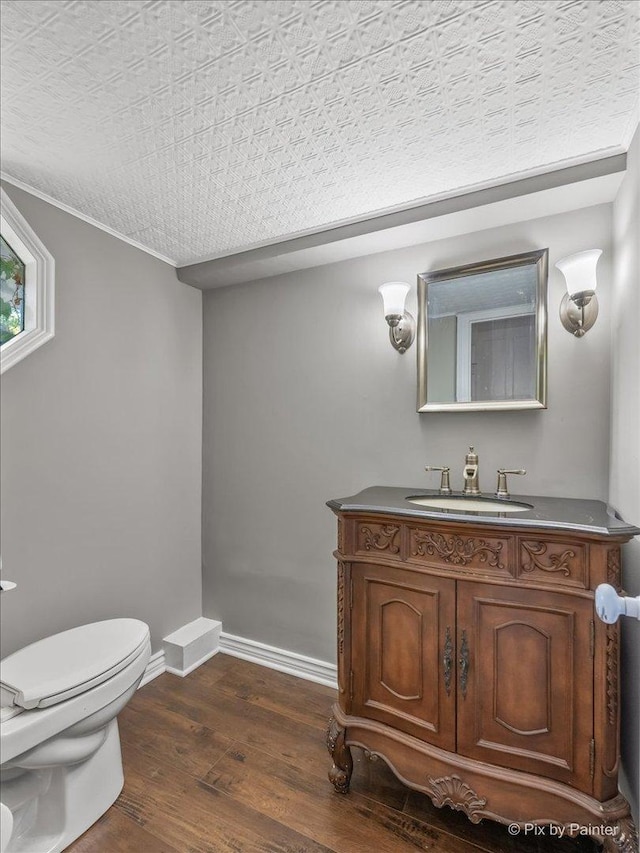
{"x": 578, "y": 313}
{"x": 579, "y": 306}
{"x": 402, "y": 324}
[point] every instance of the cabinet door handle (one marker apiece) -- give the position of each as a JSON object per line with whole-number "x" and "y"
{"x": 447, "y": 660}
{"x": 464, "y": 664}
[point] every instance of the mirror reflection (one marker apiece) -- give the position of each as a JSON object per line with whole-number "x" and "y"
{"x": 482, "y": 335}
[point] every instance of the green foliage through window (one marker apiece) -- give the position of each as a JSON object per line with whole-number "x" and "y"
{"x": 11, "y": 293}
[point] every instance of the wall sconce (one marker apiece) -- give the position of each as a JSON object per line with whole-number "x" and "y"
{"x": 402, "y": 326}
{"x": 579, "y": 306}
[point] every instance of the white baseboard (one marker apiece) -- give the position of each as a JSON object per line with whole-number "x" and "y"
{"x": 282, "y": 660}
{"x": 272, "y": 657}
{"x": 155, "y": 667}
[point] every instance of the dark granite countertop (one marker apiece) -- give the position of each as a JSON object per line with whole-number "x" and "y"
{"x": 573, "y": 514}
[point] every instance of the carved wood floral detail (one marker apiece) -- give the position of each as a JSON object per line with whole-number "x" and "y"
{"x": 340, "y": 773}
{"x": 452, "y": 791}
{"x": 612, "y": 674}
{"x": 380, "y": 540}
{"x": 340, "y": 607}
{"x": 613, "y": 567}
{"x": 455, "y": 549}
{"x": 332, "y": 733}
{"x": 555, "y": 562}
{"x": 620, "y": 837}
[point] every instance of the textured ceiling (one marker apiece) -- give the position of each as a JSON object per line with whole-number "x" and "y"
{"x": 203, "y": 128}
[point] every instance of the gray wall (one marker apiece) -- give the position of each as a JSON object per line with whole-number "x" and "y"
{"x": 101, "y": 443}
{"x": 305, "y": 400}
{"x": 625, "y": 443}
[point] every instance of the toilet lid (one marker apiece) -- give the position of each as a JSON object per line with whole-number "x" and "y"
{"x": 66, "y": 664}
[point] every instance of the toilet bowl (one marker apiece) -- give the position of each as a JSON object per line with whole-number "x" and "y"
{"x": 60, "y": 761}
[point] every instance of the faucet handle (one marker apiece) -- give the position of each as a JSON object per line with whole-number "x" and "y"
{"x": 445, "y": 487}
{"x": 502, "y": 491}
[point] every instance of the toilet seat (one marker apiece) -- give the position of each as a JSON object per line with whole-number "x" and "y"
{"x": 64, "y": 665}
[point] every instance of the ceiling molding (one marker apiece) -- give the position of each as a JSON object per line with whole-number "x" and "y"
{"x": 595, "y": 182}
{"x": 88, "y": 219}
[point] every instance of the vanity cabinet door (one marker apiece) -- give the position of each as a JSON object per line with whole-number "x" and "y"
{"x": 403, "y": 639}
{"x": 525, "y": 681}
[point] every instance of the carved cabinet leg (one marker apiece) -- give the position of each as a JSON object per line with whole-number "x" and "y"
{"x": 340, "y": 773}
{"x": 623, "y": 838}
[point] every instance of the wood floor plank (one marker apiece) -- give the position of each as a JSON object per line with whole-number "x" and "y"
{"x": 195, "y": 818}
{"x": 293, "y": 697}
{"x": 170, "y": 737}
{"x": 281, "y": 737}
{"x": 178, "y": 732}
{"x": 117, "y": 833}
{"x": 377, "y": 783}
{"x": 346, "y": 824}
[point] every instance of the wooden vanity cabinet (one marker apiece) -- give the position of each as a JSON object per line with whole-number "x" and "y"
{"x": 398, "y": 634}
{"x": 471, "y": 660}
{"x": 528, "y": 700}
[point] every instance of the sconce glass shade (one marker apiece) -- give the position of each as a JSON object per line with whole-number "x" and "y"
{"x": 579, "y": 306}
{"x": 579, "y": 271}
{"x": 394, "y": 295}
{"x": 402, "y": 326}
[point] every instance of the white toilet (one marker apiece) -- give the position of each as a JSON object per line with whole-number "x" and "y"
{"x": 60, "y": 761}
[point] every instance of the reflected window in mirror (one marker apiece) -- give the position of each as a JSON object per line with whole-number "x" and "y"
{"x": 482, "y": 335}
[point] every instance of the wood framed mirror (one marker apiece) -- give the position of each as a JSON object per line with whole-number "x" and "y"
{"x": 482, "y": 335}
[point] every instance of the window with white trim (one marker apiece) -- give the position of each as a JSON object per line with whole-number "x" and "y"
{"x": 27, "y": 276}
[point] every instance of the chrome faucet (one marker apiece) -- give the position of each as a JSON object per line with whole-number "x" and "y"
{"x": 445, "y": 485}
{"x": 501, "y": 490}
{"x": 470, "y": 473}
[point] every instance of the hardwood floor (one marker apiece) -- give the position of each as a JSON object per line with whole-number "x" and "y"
{"x": 232, "y": 758}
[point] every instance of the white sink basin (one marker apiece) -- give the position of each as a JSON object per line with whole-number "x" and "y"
{"x": 465, "y": 504}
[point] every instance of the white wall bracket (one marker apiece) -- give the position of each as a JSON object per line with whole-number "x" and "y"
{"x": 191, "y": 645}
